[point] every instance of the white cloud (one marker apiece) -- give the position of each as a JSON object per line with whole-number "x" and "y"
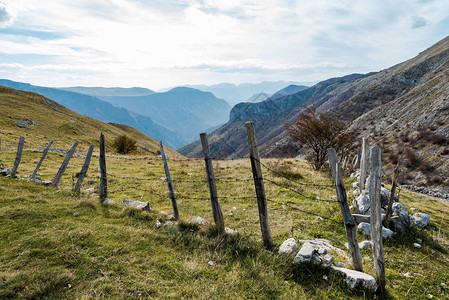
{"x": 208, "y": 41}
{"x": 6, "y": 18}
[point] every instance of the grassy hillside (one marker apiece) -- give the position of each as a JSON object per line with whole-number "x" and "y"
{"x": 58, "y": 123}
{"x": 117, "y": 252}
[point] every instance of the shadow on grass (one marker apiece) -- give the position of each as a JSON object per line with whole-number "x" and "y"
{"x": 411, "y": 236}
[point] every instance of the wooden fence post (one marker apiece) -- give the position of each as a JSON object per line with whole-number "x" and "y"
{"x": 18, "y": 156}
{"x": 44, "y": 154}
{"x": 392, "y": 192}
{"x": 103, "y": 193}
{"x": 216, "y": 210}
{"x": 169, "y": 183}
{"x": 84, "y": 169}
{"x": 376, "y": 219}
{"x": 258, "y": 182}
{"x": 350, "y": 224}
{"x": 64, "y": 164}
{"x": 363, "y": 164}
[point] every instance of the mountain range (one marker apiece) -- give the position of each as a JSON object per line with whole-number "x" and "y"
{"x": 383, "y": 105}
{"x": 234, "y": 94}
{"x": 101, "y": 110}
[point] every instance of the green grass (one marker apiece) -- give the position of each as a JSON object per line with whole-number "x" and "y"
{"x": 116, "y": 252}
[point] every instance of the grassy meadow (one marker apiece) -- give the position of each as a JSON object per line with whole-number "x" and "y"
{"x": 118, "y": 252}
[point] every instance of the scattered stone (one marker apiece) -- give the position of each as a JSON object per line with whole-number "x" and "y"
{"x": 26, "y": 122}
{"x": 46, "y": 182}
{"x": 98, "y": 170}
{"x": 325, "y": 277}
{"x": 421, "y": 219}
{"x": 89, "y": 190}
{"x": 407, "y": 274}
{"x": 430, "y": 296}
{"x": 400, "y": 211}
{"x": 108, "y": 201}
{"x": 158, "y": 224}
{"x": 91, "y": 181}
{"x": 416, "y": 245}
{"x": 443, "y": 284}
{"x": 327, "y": 259}
{"x": 365, "y": 228}
{"x": 230, "y": 214}
{"x": 163, "y": 213}
{"x": 363, "y": 203}
{"x": 365, "y": 245}
{"x": 288, "y": 247}
{"x": 387, "y": 233}
{"x": 234, "y": 208}
{"x": 210, "y": 263}
{"x": 355, "y": 185}
{"x": 319, "y": 218}
{"x": 137, "y": 204}
{"x": 171, "y": 218}
{"x": 305, "y": 255}
{"x": 5, "y": 172}
{"x": 412, "y": 208}
{"x": 231, "y": 231}
{"x": 76, "y": 214}
{"x": 333, "y": 197}
{"x": 199, "y": 221}
{"x": 384, "y": 196}
{"x": 356, "y": 279}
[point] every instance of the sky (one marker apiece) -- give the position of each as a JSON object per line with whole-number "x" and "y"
{"x": 161, "y": 43}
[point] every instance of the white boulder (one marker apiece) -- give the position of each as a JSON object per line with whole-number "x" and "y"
{"x": 421, "y": 219}
{"x": 356, "y": 279}
{"x": 288, "y": 247}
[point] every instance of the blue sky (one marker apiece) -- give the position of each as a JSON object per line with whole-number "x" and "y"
{"x": 157, "y": 44}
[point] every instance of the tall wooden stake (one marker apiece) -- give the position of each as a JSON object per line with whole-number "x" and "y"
{"x": 350, "y": 224}
{"x": 258, "y": 183}
{"x": 393, "y": 191}
{"x": 103, "y": 175}
{"x": 376, "y": 219}
{"x": 18, "y": 156}
{"x": 44, "y": 154}
{"x": 363, "y": 164}
{"x": 216, "y": 210}
{"x": 84, "y": 169}
{"x": 64, "y": 165}
{"x": 169, "y": 183}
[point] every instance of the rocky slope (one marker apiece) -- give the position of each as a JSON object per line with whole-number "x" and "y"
{"x": 384, "y": 105}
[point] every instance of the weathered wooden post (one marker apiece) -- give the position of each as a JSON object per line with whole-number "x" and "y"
{"x": 103, "y": 193}
{"x": 216, "y": 210}
{"x": 258, "y": 183}
{"x": 392, "y": 193}
{"x": 169, "y": 183}
{"x": 350, "y": 224}
{"x": 84, "y": 169}
{"x": 363, "y": 164}
{"x": 376, "y": 219}
{"x": 18, "y": 156}
{"x": 44, "y": 154}
{"x": 64, "y": 165}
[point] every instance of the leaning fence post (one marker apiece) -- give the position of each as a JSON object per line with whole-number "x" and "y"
{"x": 375, "y": 219}
{"x": 392, "y": 194}
{"x": 44, "y": 154}
{"x": 84, "y": 169}
{"x": 363, "y": 164}
{"x": 216, "y": 210}
{"x": 169, "y": 183}
{"x": 64, "y": 164}
{"x": 103, "y": 175}
{"x": 18, "y": 156}
{"x": 258, "y": 182}
{"x": 350, "y": 224}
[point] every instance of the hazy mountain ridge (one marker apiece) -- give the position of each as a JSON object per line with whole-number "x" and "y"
{"x": 186, "y": 111}
{"x": 103, "y": 111}
{"x": 110, "y": 91}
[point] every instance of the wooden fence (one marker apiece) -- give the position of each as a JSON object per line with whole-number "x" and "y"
{"x": 257, "y": 166}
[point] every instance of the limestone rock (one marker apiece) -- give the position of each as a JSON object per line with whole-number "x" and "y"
{"x": 365, "y": 228}
{"x": 199, "y": 221}
{"x": 400, "y": 211}
{"x": 288, "y": 247}
{"x": 416, "y": 245}
{"x": 231, "y": 231}
{"x": 421, "y": 219}
{"x": 137, "y": 204}
{"x": 387, "y": 233}
{"x": 363, "y": 203}
{"x": 108, "y": 201}
{"x": 305, "y": 255}
{"x": 384, "y": 196}
{"x": 365, "y": 244}
{"x": 5, "y": 172}
{"x": 356, "y": 279}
